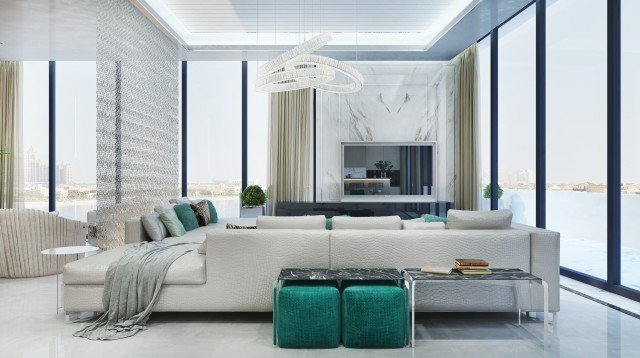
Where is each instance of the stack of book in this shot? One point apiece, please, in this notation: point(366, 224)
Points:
point(472, 267)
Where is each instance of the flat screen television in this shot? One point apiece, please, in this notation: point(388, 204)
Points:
point(383, 171)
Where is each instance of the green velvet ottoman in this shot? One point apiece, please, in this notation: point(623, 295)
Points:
point(373, 314)
point(307, 315)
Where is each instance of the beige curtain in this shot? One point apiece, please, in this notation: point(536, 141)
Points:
point(290, 147)
point(10, 135)
point(466, 131)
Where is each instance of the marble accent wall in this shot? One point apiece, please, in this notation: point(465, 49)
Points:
point(400, 102)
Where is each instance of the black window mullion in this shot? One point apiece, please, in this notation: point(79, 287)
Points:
point(52, 136)
point(613, 140)
point(184, 127)
point(494, 119)
point(541, 111)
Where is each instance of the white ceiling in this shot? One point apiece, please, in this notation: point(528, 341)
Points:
point(48, 29)
point(375, 24)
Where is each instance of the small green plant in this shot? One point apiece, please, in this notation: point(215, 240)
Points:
point(487, 192)
point(3, 152)
point(383, 165)
point(253, 195)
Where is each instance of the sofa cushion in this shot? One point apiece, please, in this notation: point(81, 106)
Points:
point(154, 226)
point(189, 269)
point(433, 218)
point(182, 200)
point(201, 210)
point(421, 225)
point(187, 216)
point(212, 212)
point(172, 223)
point(312, 222)
point(367, 223)
point(162, 208)
point(479, 220)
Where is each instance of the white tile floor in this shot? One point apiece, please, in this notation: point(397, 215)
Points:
point(30, 328)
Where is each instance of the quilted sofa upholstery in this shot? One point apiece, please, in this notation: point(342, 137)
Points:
point(237, 272)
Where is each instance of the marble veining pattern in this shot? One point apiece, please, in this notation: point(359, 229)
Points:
point(495, 275)
point(339, 274)
point(400, 102)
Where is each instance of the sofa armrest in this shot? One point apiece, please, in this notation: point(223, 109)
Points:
point(134, 232)
point(545, 262)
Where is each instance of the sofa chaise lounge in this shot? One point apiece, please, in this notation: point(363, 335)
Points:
point(234, 270)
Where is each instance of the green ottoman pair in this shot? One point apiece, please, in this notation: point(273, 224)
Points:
point(374, 314)
point(313, 314)
point(307, 315)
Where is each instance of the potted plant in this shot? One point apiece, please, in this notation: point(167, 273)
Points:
point(253, 199)
point(486, 194)
point(383, 166)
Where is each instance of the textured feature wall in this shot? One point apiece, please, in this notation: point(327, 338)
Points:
point(400, 102)
point(138, 118)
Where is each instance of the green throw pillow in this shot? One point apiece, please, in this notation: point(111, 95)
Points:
point(173, 224)
point(329, 224)
point(433, 219)
point(186, 216)
point(212, 212)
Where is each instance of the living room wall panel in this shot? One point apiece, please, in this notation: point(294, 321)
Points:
point(137, 118)
point(400, 102)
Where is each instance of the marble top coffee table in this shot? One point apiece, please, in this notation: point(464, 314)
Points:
point(414, 275)
point(304, 274)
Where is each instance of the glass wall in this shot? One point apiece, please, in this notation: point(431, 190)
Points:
point(214, 130)
point(258, 129)
point(517, 116)
point(577, 132)
point(35, 115)
point(630, 144)
point(75, 138)
point(484, 103)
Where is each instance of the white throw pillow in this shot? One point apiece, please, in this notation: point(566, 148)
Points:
point(311, 222)
point(479, 220)
point(162, 208)
point(183, 200)
point(421, 225)
point(367, 223)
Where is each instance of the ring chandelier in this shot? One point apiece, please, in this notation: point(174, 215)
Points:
point(284, 73)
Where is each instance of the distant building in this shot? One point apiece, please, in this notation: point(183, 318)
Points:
point(35, 170)
point(64, 174)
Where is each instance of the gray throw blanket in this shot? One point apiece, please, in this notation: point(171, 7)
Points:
point(131, 289)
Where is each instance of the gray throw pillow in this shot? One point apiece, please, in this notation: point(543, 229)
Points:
point(479, 220)
point(183, 200)
point(154, 226)
point(163, 208)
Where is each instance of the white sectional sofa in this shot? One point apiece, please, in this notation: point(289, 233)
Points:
point(234, 270)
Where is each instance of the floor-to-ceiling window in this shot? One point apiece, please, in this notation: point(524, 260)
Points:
point(577, 132)
point(214, 130)
point(258, 129)
point(484, 104)
point(630, 144)
point(517, 116)
point(35, 129)
point(75, 138)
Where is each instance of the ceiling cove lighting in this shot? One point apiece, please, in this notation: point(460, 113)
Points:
point(241, 25)
point(287, 72)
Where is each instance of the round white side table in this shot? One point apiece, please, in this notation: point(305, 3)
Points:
point(61, 251)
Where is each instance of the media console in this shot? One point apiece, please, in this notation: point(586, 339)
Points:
point(330, 209)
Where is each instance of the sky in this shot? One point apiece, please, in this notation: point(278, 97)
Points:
point(576, 92)
point(576, 103)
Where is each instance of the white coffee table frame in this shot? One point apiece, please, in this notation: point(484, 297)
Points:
point(497, 275)
point(63, 251)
